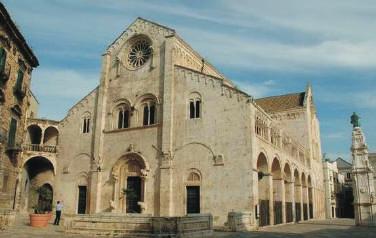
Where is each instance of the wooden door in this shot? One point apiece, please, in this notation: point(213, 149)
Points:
point(82, 195)
point(133, 194)
point(193, 199)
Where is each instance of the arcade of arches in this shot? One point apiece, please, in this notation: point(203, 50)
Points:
point(283, 196)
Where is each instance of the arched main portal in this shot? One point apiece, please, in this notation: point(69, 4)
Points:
point(298, 196)
point(263, 190)
point(37, 184)
point(277, 191)
point(305, 197)
point(310, 197)
point(129, 184)
point(289, 187)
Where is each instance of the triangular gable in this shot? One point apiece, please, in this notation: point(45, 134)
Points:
point(135, 27)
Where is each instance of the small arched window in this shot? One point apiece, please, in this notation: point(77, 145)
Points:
point(86, 123)
point(123, 116)
point(194, 106)
point(149, 113)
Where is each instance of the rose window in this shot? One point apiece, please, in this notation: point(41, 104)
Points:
point(139, 52)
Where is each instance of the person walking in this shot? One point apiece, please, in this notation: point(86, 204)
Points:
point(59, 207)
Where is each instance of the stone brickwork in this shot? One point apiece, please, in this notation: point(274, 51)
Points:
point(111, 224)
point(7, 218)
point(19, 62)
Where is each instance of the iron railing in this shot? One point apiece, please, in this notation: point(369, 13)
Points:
point(40, 148)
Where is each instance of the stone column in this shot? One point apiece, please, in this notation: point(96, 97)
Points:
point(292, 187)
point(364, 190)
point(301, 203)
point(307, 195)
point(271, 200)
point(283, 192)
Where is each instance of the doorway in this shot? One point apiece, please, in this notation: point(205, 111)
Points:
point(193, 199)
point(133, 194)
point(82, 193)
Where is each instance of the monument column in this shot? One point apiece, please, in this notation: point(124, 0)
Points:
point(364, 190)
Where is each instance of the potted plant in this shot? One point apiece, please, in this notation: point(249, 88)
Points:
point(42, 207)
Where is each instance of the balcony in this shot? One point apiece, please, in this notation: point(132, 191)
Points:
point(42, 136)
point(40, 148)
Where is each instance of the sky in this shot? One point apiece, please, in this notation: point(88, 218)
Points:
point(265, 47)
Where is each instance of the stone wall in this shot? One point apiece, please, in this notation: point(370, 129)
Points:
point(111, 224)
point(7, 218)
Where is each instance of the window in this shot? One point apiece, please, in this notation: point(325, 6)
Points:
point(194, 108)
point(139, 52)
point(123, 117)
point(3, 73)
point(5, 183)
point(12, 133)
point(20, 77)
point(3, 57)
point(149, 113)
point(348, 175)
point(86, 125)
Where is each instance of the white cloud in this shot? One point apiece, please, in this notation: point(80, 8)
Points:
point(355, 99)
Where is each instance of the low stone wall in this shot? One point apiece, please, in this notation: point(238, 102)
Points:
point(240, 221)
point(140, 225)
point(7, 218)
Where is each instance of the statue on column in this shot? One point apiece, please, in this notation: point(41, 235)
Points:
point(363, 183)
point(355, 120)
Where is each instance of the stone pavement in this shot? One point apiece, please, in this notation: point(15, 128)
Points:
point(343, 228)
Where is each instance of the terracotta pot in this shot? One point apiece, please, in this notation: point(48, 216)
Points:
point(50, 214)
point(39, 220)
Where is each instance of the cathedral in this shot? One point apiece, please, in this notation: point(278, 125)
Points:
point(166, 134)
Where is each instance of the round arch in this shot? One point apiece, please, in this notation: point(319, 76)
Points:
point(51, 136)
point(263, 189)
point(129, 176)
point(34, 134)
point(45, 161)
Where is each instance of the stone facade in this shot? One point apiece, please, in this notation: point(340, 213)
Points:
point(364, 190)
point(333, 182)
point(346, 197)
point(165, 134)
point(16, 64)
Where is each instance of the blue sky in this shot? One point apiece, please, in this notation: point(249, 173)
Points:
point(266, 47)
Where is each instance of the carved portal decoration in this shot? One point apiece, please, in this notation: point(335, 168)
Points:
point(132, 164)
